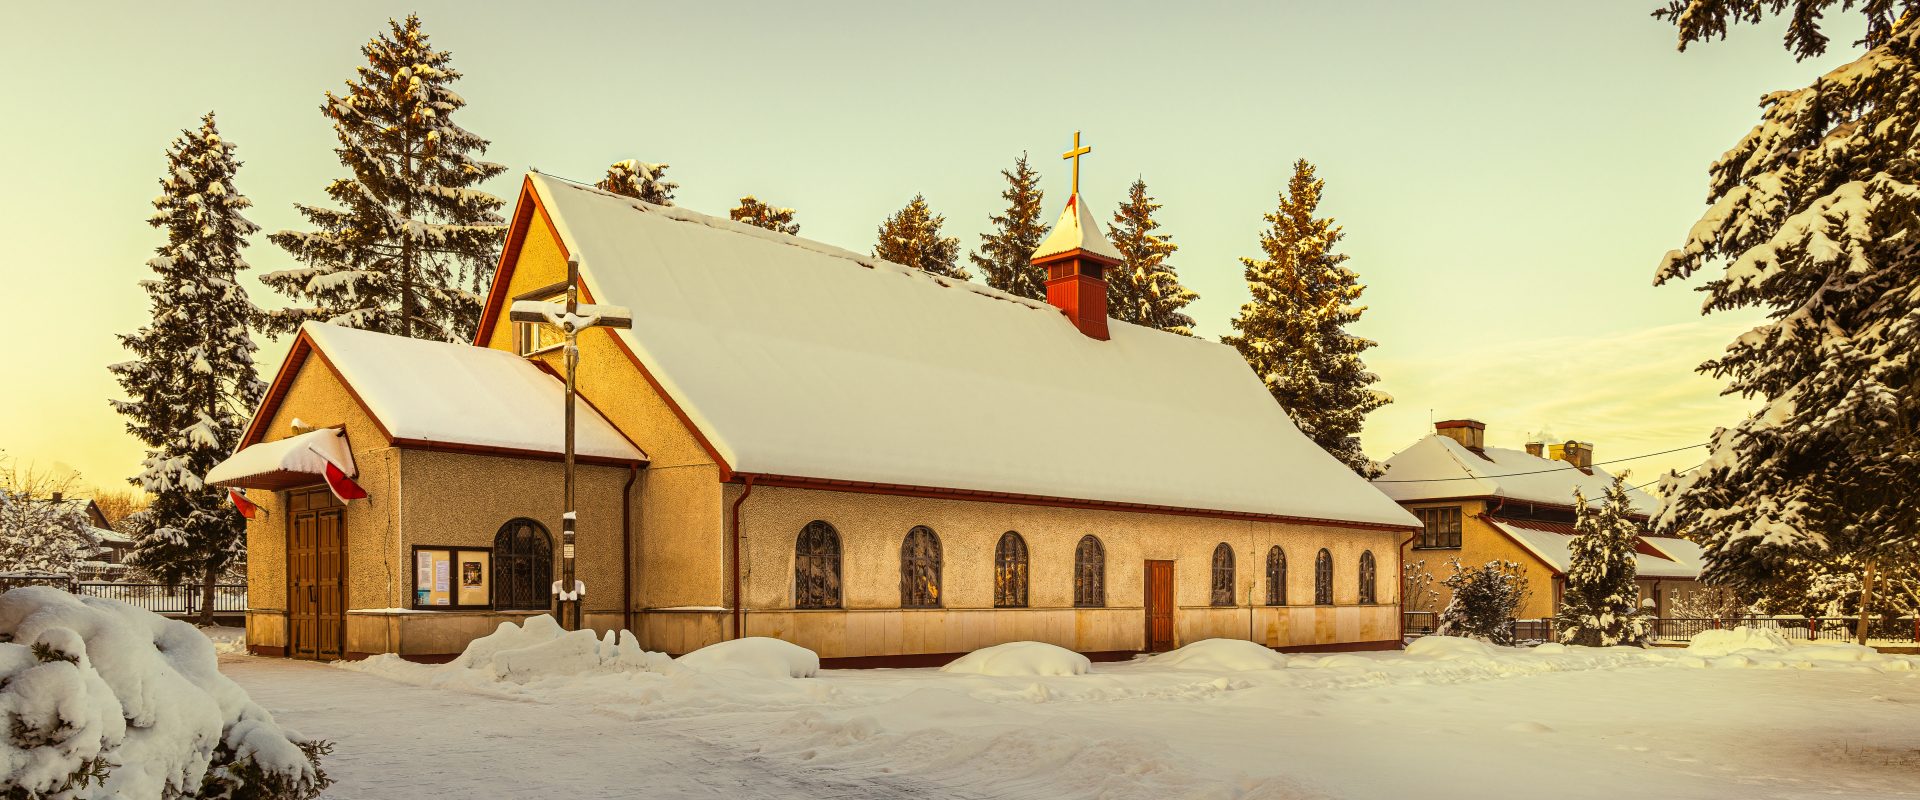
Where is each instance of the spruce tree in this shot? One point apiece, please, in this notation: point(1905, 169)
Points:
point(1483, 601)
point(192, 383)
point(411, 248)
point(1600, 606)
point(1811, 219)
point(1293, 333)
point(1005, 256)
point(760, 215)
point(639, 180)
point(1144, 289)
point(912, 237)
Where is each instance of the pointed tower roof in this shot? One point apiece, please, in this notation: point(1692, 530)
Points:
point(1076, 231)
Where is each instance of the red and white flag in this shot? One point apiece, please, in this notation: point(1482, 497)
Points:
point(343, 487)
point(248, 508)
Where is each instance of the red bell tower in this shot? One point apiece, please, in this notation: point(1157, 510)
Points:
point(1077, 256)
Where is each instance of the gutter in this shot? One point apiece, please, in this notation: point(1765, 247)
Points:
point(626, 549)
point(739, 619)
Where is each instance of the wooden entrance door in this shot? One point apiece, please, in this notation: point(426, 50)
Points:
point(1159, 602)
point(316, 559)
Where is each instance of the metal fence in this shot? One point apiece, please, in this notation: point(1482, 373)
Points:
point(163, 599)
point(1895, 630)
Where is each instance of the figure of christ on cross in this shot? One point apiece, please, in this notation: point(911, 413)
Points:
point(570, 319)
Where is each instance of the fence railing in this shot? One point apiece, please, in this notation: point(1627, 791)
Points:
point(1896, 630)
point(156, 597)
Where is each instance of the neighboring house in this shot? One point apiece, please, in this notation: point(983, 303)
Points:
point(1480, 504)
point(798, 441)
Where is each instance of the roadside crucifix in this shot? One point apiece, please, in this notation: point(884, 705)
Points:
point(571, 319)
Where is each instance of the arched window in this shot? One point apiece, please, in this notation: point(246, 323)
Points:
point(1366, 578)
point(1323, 578)
point(816, 567)
point(1223, 575)
point(522, 566)
point(920, 569)
point(1089, 573)
point(1010, 571)
point(1276, 576)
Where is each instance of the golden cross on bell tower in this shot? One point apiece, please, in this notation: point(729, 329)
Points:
point(1075, 154)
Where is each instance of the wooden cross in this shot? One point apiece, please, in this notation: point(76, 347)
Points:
point(571, 319)
point(1075, 155)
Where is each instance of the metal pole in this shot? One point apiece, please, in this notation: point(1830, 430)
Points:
point(570, 612)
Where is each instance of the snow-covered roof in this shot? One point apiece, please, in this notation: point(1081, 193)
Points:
point(425, 393)
point(1681, 551)
point(1073, 230)
point(1438, 467)
point(303, 454)
point(1552, 545)
point(798, 359)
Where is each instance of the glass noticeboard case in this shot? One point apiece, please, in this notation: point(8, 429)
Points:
point(452, 578)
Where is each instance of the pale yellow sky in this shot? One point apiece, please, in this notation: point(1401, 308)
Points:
point(1508, 173)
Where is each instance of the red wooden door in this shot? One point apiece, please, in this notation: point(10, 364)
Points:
point(1159, 602)
point(316, 560)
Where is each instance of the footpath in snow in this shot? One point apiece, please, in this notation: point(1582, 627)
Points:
point(536, 711)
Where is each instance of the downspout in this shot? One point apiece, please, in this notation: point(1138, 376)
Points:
point(1402, 591)
point(739, 618)
point(626, 549)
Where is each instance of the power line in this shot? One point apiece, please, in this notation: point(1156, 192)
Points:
point(1540, 471)
point(1663, 477)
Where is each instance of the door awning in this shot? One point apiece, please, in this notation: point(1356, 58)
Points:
point(286, 463)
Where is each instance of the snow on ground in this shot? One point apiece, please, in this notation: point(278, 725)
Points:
point(1446, 719)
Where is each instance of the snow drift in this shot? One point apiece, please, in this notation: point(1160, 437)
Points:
point(540, 648)
point(102, 699)
point(1224, 655)
point(1715, 643)
point(1021, 659)
point(755, 655)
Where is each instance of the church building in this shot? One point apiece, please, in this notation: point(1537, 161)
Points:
point(797, 441)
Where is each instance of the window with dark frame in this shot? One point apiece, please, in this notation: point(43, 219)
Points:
point(1323, 578)
point(1089, 573)
point(1010, 571)
point(1440, 528)
point(522, 566)
point(1367, 574)
point(449, 578)
point(1223, 575)
point(920, 569)
point(1276, 576)
point(816, 566)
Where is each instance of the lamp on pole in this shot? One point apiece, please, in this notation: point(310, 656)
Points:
point(571, 319)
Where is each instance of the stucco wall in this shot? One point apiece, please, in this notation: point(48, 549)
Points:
point(871, 527)
point(1480, 543)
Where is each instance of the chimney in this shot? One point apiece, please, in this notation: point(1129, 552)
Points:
point(1579, 454)
point(56, 498)
point(1077, 256)
point(1470, 433)
point(1534, 449)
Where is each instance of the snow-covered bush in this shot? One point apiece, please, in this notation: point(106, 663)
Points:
point(755, 655)
point(540, 648)
point(105, 700)
point(1021, 659)
point(1485, 600)
point(1225, 655)
point(37, 534)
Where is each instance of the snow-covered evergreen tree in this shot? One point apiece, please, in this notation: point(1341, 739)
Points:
point(1005, 256)
point(1294, 333)
point(38, 534)
point(760, 215)
point(912, 237)
point(1144, 289)
point(1485, 600)
point(192, 383)
point(1600, 606)
point(639, 180)
point(1812, 219)
point(412, 246)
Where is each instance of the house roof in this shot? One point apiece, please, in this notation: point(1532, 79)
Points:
point(794, 358)
point(430, 394)
point(1438, 467)
point(1551, 543)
